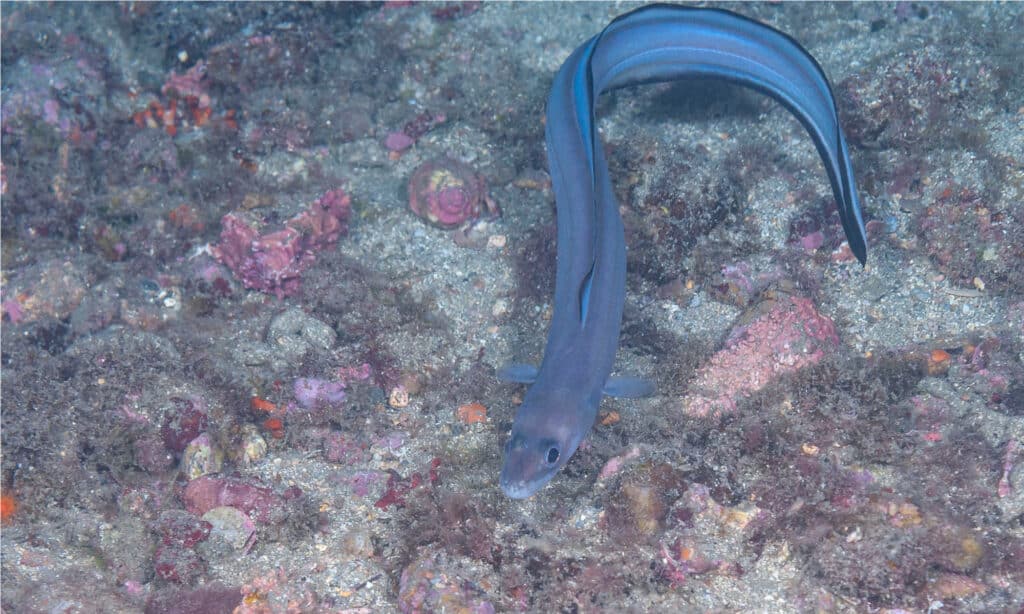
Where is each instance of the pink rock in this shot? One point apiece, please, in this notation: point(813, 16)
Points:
point(208, 598)
point(790, 337)
point(446, 193)
point(207, 492)
point(51, 111)
point(398, 141)
point(433, 583)
point(184, 420)
point(313, 392)
point(362, 481)
point(616, 463)
point(12, 309)
point(812, 241)
point(178, 565)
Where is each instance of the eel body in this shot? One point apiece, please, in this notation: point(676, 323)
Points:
point(651, 44)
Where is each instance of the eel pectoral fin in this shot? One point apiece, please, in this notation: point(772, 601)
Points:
point(628, 387)
point(518, 373)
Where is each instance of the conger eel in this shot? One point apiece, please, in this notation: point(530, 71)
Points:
point(651, 44)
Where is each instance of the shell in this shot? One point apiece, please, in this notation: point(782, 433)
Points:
point(446, 193)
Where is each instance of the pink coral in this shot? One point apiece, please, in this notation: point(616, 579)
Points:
point(790, 337)
point(273, 262)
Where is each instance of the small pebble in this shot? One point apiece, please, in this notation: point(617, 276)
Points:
point(500, 308)
point(201, 457)
point(254, 446)
point(294, 332)
point(472, 413)
point(399, 397)
point(938, 362)
point(231, 525)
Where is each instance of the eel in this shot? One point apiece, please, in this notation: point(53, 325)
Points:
point(654, 43)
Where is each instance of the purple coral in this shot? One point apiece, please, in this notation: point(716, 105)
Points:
point(446, 192)
point(273, 262)
point(312, 392)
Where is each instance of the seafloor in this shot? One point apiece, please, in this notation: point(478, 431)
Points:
point(241, 374)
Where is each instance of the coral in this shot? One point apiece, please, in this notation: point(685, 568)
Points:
point(312, 392)
point(8, 507)
point(188, 104)
point(273, 262)
point(446, 193)
point(789, 337)
point(191, 83)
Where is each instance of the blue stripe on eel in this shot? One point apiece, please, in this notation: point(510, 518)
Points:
point(652, 44)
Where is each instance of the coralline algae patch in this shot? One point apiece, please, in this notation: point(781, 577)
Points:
point(791, 336)
point(274, 261)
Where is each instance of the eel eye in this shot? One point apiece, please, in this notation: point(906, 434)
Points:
point(552, 456)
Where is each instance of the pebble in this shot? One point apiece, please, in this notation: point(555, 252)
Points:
point(201, 457)
point(231, 525)
point(399, 397)
point(254, 446)
point(295, 331)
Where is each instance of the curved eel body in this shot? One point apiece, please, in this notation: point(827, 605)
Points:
point(651, 44)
